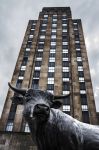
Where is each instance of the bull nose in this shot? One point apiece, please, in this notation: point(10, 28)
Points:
point(41, 107)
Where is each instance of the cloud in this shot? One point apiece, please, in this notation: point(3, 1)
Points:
point(14, 17)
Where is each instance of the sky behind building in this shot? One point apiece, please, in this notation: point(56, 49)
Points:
point(14, 17)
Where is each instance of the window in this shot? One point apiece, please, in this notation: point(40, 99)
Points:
point(64, 30)
point(35, 83)
point(77, 45)
point(80, 68)
point(53, 30)
point(65, 74)
point(52, 55)
point(50, 86)
point(82, 86)
point(30, 36)
point(65, 50)
point(64, 55)
point(38, 63)
point(39, 54)
point(41, 46)
point(64, 46)
point(66, 101)
point(81, 79)
point(65, 64)
point(36, 74)
point(79, 59)
point(65, 43)
point(51, 64)
point(9, 126)
point(64, 38)
point(26, 54)
point(85, 116)
point(66, 92)
point(42, 37)
point(53, 36)
point(23, 67)
point(82, 92)
point(45, 16)
point(79, 63)
point(27, 128)
point(83, 98)
point(50, 74)
point(78, 53)
point(66, 107)
point(50, 80)
point(24, 62)
point(21, 73)
point(80, 73)
point(19, 83)
point(52, 50)
point(66, 86)
point(51, 69)
point(53, 43)
point(65, 69)
point(27, 49)
point(52, 59)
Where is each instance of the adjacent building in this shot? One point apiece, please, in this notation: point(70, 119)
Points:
point(52, 57)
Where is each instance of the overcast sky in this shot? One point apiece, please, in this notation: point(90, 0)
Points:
point(14, 17)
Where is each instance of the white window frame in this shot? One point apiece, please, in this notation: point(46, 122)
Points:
point(52, 59)
point(84, 107)
point(42, 36)
point(23, 67)
point(65, 69)
point(81, 79)
point(51, 69)
point(66, 92)
point(66, 107)
point(65, 79)
point(80, 68)
point(79, 59)
point(82, 91)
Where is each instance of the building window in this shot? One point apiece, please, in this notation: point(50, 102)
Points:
point(64, 46)
point(65, 69)
point(42, 36)
point(27, 128)
point(9, 126)
point(65, 74)
point(50, 80)
point(51, 69)
point(27, 49)
point(85, 116)
point(82, 86)
point(64, 55)
point(50, 74)
point(80, 74)
point(36, 74)
point(19, 83)
point(81, 79)
point(35, 83)
point(51, 64)
point(30, 36)
point(82, 91)
point(83, 98)
point(50, 86)
point(80, 68)
point(39, 54)
point(53, 36)
point(38, 63)
point(65, 64)
point(23, 67)
point(84, 108)
point(78, 53)
point(66, 86)
point(79, 63)
point(79, 59)
point(66, 107)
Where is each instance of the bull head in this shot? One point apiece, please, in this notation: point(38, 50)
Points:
point(55, 104)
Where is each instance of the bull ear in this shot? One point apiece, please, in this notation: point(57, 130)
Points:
point(56, 104)
point(19, 91)
point(61, 96)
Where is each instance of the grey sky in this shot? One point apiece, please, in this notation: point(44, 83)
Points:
point(14, 17)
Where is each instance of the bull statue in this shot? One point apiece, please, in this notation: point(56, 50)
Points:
point(51, 129)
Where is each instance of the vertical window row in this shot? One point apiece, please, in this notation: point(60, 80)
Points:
point(9, 126)
point(65, 67)
point(83, 97)
point(39, 53)
point(51, 70)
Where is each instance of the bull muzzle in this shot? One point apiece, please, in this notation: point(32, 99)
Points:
point(41, 112)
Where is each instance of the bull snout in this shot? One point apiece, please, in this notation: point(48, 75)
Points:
point(41, 112)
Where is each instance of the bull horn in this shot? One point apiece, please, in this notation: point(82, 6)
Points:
point(61, 96)
point(19, 91)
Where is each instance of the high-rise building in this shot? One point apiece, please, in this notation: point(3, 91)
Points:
point(52, 57)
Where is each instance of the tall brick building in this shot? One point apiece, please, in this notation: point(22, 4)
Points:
point(52, 57)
